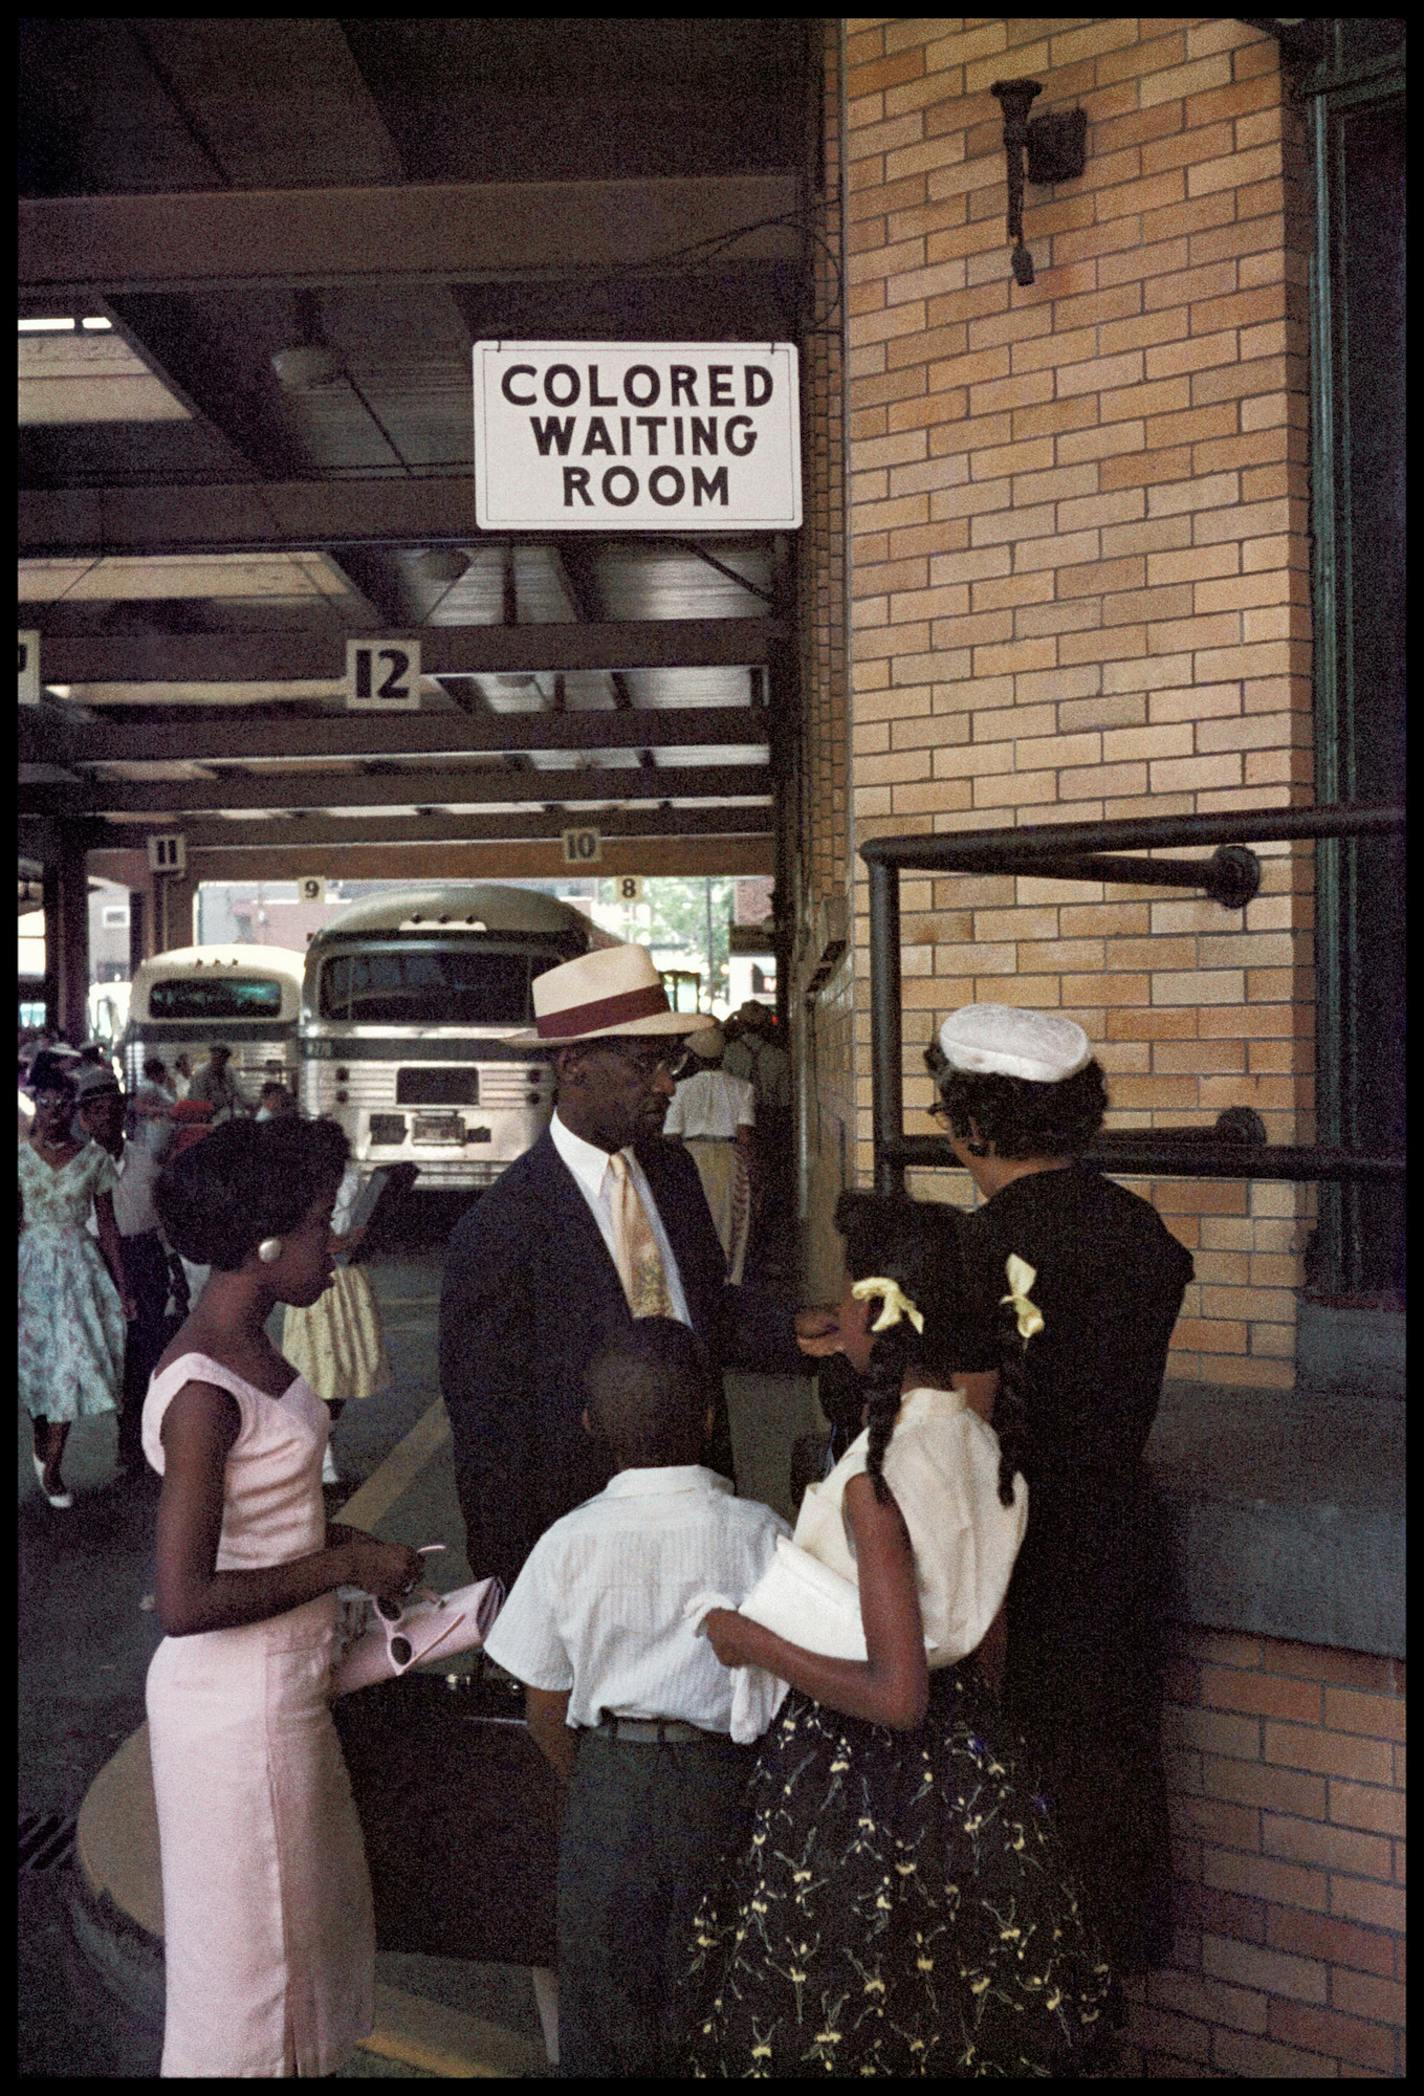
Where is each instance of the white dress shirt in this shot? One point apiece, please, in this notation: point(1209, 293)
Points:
point(590, 1168)
point(711, 1106)
point(599, 1606)
point(136, 1169)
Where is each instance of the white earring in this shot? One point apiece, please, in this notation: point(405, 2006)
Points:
point(269, 1249)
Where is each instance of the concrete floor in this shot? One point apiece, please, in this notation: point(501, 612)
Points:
point(85, 1643)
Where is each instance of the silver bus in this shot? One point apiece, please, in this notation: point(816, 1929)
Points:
point(406, 1006)
point(191, 996)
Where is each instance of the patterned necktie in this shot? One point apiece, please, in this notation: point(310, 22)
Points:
point(635, 1249)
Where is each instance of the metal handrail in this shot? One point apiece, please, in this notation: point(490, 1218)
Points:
point(1078, 851)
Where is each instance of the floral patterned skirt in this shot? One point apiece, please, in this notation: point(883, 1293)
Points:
point(901, 1909)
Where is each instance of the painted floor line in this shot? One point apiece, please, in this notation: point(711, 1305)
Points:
point(375, 1498)
point(447, 2042)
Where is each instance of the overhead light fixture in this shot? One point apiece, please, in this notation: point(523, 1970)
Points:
point(308, 361)
point(441, 564)
point(304, 366)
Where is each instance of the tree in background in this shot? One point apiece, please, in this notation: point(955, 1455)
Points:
point(686, 914)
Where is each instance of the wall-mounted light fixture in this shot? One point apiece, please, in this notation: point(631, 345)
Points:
point(1056, 147)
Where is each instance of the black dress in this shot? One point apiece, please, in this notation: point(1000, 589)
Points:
point(901, 1911)
point(1086, 1603)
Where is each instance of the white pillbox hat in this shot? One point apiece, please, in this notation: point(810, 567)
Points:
point(1001, 1039)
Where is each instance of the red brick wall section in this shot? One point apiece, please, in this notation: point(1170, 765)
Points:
point(1286, 1771)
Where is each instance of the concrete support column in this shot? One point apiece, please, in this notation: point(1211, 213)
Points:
point(131, 870)
point(175, 897)
point(66, 912)
point(140, 928)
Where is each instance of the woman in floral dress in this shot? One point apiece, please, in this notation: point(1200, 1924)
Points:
point(903, 1907)
point(73, 1298)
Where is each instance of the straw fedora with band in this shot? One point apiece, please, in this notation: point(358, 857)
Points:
point(614, 992)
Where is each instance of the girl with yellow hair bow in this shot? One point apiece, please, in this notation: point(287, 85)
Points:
point(863, 1928)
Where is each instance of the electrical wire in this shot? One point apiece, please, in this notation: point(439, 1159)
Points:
point(710, 248)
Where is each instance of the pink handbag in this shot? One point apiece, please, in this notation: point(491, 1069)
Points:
point(386, 1642)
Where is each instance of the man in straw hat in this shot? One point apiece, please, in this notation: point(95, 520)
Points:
point(599, 1223)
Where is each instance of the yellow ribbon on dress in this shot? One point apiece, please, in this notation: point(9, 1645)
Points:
point(1021, 1277)
point(897, 1303)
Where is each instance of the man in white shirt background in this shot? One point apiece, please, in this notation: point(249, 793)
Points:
point(715, 1115)
point(150, 1106)
point(214, 1081)
point(754, 1053)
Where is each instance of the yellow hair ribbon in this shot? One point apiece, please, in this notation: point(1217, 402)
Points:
point(1021, 1277)
point(897, 1303)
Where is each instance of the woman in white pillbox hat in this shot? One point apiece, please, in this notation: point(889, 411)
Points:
point(1022, 1097)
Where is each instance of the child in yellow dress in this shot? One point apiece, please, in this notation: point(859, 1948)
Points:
point(336, 1343)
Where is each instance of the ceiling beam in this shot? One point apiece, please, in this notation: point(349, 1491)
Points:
point(576, 564)
point(427, 232)
point(246, 517)
point(270, 833)
point(274, 516)
point(398, 788)
point(449, 651)
point(236, 735)
point(676, 856)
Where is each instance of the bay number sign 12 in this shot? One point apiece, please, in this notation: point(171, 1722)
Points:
point(383, 676)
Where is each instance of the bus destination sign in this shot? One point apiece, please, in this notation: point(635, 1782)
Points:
point(619, 436)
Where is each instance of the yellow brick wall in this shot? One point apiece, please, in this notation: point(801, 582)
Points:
point(817, 813)
point(1079, 574)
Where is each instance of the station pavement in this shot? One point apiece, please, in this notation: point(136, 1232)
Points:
point(88, 1966)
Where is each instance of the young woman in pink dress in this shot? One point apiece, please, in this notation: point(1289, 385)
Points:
point(268, 1928)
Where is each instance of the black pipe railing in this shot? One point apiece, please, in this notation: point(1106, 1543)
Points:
point(1234, 1148)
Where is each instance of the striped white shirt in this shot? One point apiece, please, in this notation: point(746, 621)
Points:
point(710, 1105)
point(598, 1607)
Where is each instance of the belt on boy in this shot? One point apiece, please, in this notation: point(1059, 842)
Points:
point(654, 1731)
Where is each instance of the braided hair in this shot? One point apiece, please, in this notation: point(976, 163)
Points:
point(920, 1246)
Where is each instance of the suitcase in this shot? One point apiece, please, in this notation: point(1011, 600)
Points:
point(460, 1814)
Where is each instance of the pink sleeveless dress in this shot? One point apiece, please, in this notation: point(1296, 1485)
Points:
point(268, 1927)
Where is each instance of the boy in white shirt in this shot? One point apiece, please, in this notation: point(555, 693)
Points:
point(630, 1707)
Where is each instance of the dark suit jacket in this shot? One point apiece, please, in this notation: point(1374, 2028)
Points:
point(530, 1295)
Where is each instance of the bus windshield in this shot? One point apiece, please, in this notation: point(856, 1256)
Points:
point(430, 986)
point(214, 997)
